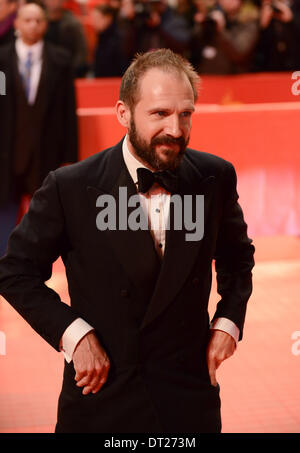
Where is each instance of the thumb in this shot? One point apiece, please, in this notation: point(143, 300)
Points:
point(212, 375)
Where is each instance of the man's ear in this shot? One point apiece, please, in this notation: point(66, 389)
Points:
point(123, 114)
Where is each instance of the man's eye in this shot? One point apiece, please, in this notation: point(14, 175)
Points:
point(161, 113)
point(186, 114)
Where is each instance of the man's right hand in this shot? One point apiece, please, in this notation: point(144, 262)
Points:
point(91, 364)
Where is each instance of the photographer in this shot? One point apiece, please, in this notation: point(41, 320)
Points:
point(157, 25)
point(277, 47)
point(109, 60)
point(224, 36)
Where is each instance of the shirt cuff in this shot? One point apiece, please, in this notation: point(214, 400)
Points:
point(228, 326)
point(72, 335)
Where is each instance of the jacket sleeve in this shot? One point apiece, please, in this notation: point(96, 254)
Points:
point(34, 245)
point(233, 257)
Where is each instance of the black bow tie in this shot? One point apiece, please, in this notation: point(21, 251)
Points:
point(147, 178)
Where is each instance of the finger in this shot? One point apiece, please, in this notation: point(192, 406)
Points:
point(212, 373)
point(212, 376)
point(86, 390)
point(80, 375)
point(218, 363)
point(98, 387)
point(92, 382)
point(86, 380)
point(86, 370)
point(105, 370)
point(99, 381)
point(213, 380)
point(214, 360)
point(94, 388)
point(87, 374)
point(96, 380)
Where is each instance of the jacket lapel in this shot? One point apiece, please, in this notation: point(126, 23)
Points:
point(180, 253)
point(133, 248)
point(49, 76)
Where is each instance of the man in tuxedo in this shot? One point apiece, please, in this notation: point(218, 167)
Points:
point(38, 125)
point(140, 351)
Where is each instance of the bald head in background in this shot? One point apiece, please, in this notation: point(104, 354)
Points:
point(31, 23)
point(38, 122)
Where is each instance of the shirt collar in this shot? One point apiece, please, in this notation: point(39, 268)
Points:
point(131, 162)
point(22, 50)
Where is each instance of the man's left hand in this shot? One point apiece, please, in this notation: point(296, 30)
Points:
point(221, 346)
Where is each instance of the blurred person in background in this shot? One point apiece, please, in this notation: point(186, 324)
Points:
point(278, 47)
point(38, 124)
point(188, 9)
point(108, 58)
point(157, 25)
point(225, 35)
point(126, 17)
point(65, 30)
point(8, 12)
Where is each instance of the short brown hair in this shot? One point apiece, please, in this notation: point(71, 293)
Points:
point(163, 59)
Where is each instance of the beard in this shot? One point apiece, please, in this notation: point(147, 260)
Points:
point(147, 151)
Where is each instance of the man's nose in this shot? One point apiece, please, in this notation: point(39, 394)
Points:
point(173, 127)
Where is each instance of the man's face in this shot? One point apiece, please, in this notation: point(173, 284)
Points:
point(31, 24)
point(100, 21)
point(160, 122)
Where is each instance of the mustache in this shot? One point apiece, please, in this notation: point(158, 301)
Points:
point(165, 140)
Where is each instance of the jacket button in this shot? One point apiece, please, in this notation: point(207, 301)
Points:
point(124, 292)
point(195, 281)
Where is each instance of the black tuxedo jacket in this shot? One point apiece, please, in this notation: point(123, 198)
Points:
point(151, 319)
point(58, 119)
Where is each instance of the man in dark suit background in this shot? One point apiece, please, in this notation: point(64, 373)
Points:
point(38, 124)
point(65, 30)
point(140, 353)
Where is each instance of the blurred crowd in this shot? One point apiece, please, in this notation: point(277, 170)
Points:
point(217, 36)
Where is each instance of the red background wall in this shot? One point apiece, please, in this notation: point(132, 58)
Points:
point(251, 120)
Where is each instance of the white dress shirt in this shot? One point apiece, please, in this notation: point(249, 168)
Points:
point(22, 50)
point(156, 205)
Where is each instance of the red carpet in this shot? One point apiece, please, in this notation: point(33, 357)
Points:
point(259, 385)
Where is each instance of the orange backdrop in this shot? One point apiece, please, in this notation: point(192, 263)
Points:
point(261, 138)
